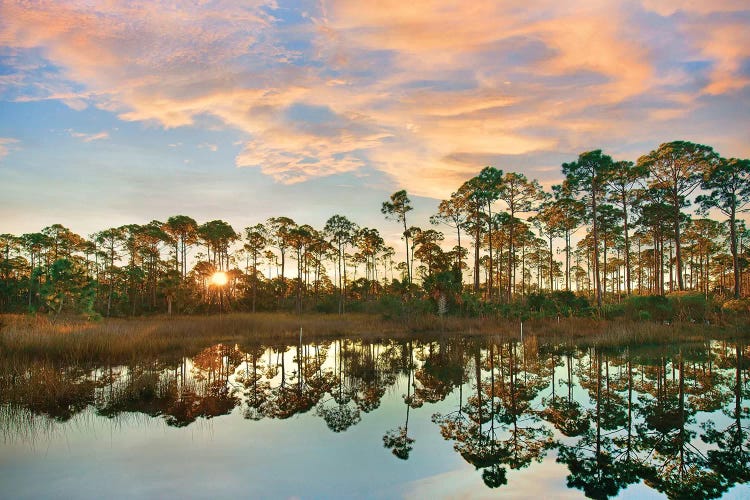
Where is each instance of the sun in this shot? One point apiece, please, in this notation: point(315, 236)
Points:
point(219, 278)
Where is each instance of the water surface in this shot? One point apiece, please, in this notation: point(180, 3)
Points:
point(445, 417)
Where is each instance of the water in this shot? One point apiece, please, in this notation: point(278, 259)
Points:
point(445, 418)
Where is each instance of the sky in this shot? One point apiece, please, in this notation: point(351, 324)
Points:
point(114, 113)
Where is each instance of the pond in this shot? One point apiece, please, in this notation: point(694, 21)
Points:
point(442, 417)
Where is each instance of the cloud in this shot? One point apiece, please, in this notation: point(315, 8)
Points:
point(418, 90)
point(670, 7)
point(293, 156)
point(212, 147)
point(89, 137)
point(717, 34)
point(7, 144)
point(74, 101)
point(728, 46)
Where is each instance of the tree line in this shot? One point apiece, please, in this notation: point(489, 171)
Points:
point(609, 230)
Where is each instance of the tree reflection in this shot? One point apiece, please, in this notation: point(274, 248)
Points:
point(207, 393)
point(528, 440)
point(256, 389)
point(343, 412)
point(731, 459)
point(497, 426)
point(293, 395)
point(597, 463)
point(677, 467)
point(441, 370)
point(398, 440)
point(500, 402)
point(564, 412)
point(368, 375)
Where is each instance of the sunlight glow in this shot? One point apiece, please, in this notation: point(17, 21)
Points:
point(219, 278)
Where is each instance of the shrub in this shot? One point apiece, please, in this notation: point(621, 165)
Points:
point(420, 307)
point(470, 304)
point(327, 306)
point(390, 307)
point(613, 311)
point(737, 311)
point(562, 303)
point(736, 306)
point(689, 306)
point(514, 310)
point(570, 304)
point(654, 307)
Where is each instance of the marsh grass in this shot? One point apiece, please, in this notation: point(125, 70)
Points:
point(19, 424)
point(113, 340)
point(635, 333)
point(74, 340)
point(44, 388)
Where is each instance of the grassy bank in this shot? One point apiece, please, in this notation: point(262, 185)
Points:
point(122, 340)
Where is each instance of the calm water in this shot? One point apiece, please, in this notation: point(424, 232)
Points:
point(445, 418)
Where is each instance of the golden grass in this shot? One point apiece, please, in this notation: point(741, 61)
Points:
point(121, 340)
point(75, 340)
point(623, 332)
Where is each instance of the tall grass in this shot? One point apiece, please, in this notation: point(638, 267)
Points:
point(168, 338)
point(111, 340)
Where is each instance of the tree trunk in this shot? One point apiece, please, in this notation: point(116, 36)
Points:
point(341, 286)
point(733, 248)
point(671, 270)
point(604, 283)
point(511, 258)
point(627, 244)
point(460, 270)
point(595, 234)
point(477, 236)
point(567, 259)
point(406, 240)
point(678, 246)
point(489, 227)
point(499, 271)
point(551, 274)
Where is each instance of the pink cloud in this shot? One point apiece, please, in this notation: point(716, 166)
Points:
point(7, 144)
point(728, 46)
point(89, 137)
point(406, 84)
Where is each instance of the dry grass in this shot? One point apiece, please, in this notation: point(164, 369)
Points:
point(75, 340)
point(122, 340)
point(623, 332)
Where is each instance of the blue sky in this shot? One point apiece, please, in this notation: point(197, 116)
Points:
point(124, 112)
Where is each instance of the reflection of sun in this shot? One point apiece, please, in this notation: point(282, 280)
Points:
point(219, 279)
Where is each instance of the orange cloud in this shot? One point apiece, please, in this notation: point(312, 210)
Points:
point(729, 47)
point(403, 87)
point(718, 33)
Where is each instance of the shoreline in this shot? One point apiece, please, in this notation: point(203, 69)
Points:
point(77, 340)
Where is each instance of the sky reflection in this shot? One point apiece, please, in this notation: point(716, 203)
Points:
point(128, 442)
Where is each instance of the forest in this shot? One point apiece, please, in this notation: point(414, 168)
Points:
point(613, 238)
